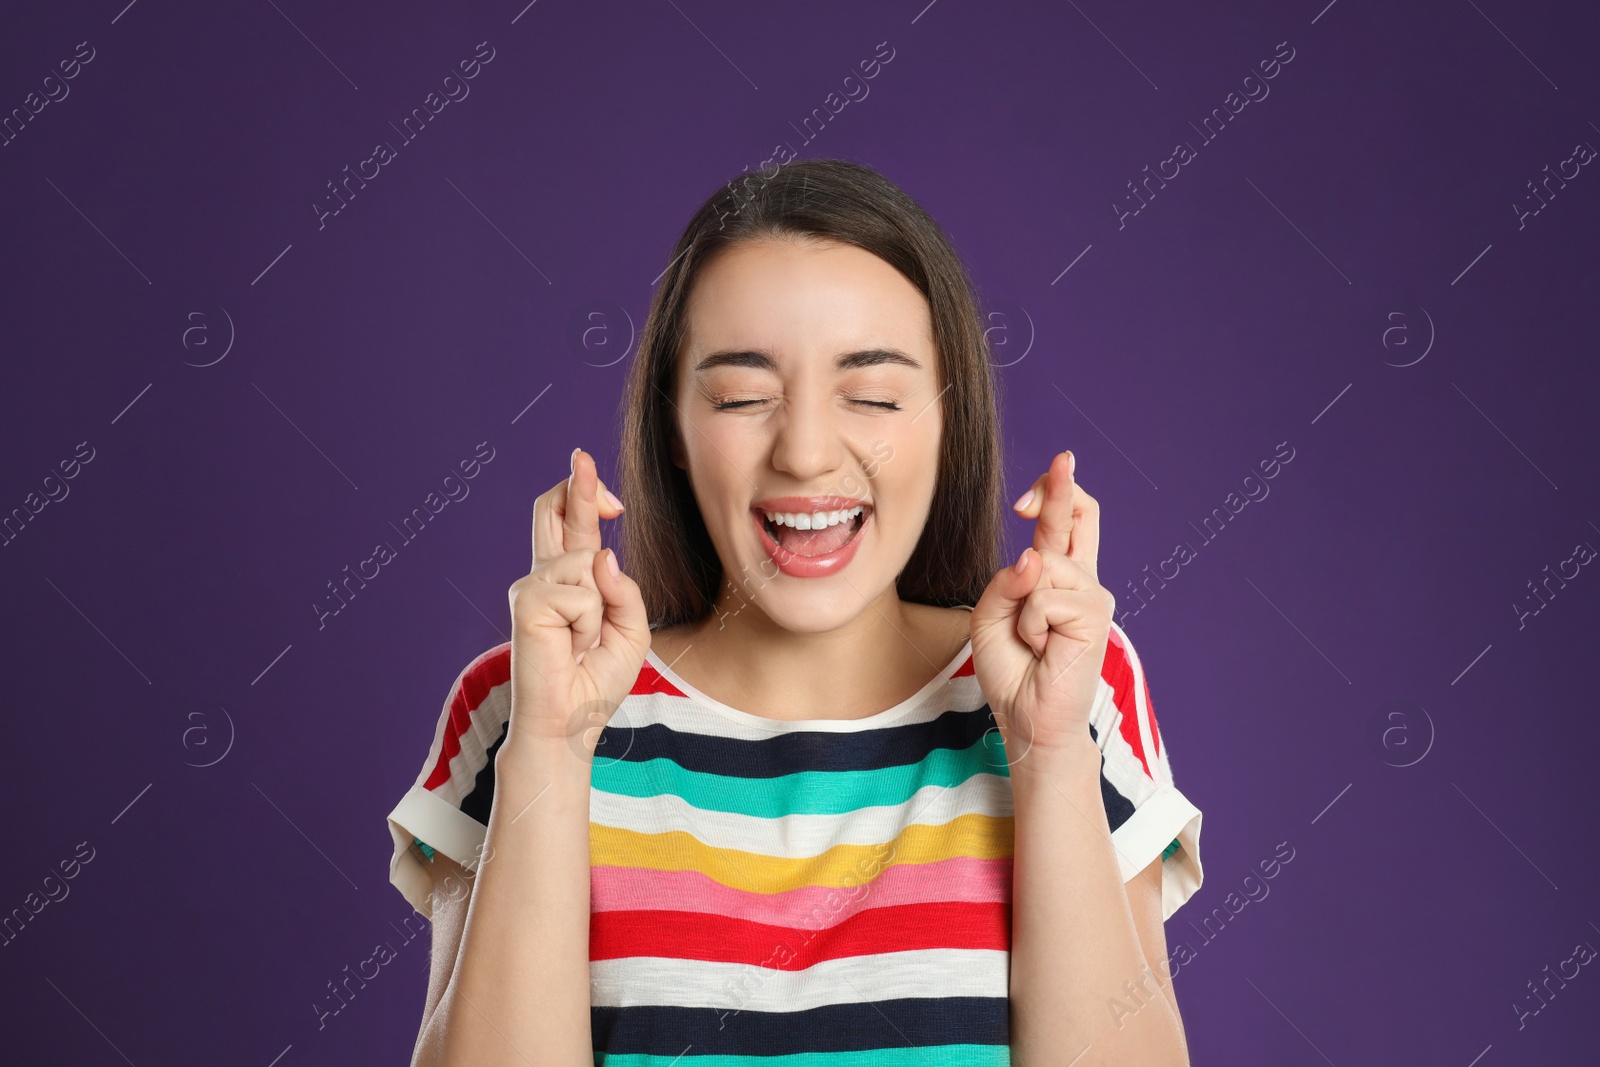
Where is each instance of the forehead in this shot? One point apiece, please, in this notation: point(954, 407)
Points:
point(801, 298)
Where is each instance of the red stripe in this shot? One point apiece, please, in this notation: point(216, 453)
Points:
point(1118, 674)
point(1150, 710)
point(490, 669)
point(1149, 705)
point(650, 680)
point(965, 669)
point(697, 936)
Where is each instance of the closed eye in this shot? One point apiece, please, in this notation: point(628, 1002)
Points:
point(730, 405)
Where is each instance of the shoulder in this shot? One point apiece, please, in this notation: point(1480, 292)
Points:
point(667, 641)
point(945, 630)
point(485, 672)
point(1125, 702)
point(480, 697)
point(475, 711)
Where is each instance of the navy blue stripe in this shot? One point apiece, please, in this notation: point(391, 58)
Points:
point(955, 729)
point(666, 1031)
point(796, 750)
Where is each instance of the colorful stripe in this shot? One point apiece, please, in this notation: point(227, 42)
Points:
point(875, 1027)
point(797, 894)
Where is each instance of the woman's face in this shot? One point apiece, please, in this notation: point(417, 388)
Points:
point(807, 385)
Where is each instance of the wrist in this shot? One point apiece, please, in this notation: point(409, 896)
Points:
point(1074, 763)
point(541, 759)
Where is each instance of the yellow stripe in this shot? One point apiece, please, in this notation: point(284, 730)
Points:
point(973, 835)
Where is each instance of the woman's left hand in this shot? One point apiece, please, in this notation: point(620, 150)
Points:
point(1039, 631)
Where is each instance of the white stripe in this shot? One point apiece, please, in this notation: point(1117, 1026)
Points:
point(1161, 813)
point(1164, 815)
point(1146, 735)
point(444, 827)
point(1122, 768)
point(655, 980)
point(683, 714)
point(435, 815)
point(487, 723)
point(803, 836)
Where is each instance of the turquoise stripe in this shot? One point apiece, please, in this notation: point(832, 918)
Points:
point(805, 792)
point(927, 1056)
point(1170, 849)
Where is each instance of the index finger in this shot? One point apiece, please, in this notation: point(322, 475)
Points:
point(547, 511)
point(550, 514)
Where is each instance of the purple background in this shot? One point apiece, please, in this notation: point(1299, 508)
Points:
point(166, 603)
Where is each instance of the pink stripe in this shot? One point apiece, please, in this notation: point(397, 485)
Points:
point(959, 878)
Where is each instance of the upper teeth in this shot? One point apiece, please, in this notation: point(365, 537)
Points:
point(814, 520)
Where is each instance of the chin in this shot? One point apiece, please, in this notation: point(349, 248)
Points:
point(814, 610)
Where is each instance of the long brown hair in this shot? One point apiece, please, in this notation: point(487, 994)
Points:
point(666, 548)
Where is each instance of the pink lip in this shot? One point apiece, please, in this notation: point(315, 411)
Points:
point(793, 564)
point(795, 504)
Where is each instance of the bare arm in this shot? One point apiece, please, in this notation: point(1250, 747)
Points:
point(1086, 951)
point(1078, 950)
point(510, 977)
point(452, 888)
point(1144, 898)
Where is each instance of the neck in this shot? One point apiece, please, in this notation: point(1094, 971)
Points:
point(884, 654)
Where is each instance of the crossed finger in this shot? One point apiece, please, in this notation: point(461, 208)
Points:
point(567, 516)
point(1068, 517)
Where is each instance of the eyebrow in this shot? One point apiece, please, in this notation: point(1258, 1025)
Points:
point(759, 360)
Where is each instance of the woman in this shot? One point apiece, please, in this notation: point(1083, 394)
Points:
point(817, 774)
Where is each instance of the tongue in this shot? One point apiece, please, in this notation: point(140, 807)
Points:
point(815, 542)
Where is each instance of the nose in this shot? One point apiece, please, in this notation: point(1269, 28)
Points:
point(808, 440)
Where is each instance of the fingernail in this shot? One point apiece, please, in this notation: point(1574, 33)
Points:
point(611, 563)
point(572, 460)
point(1022, 561)
point(611, 498)
point(1072, 463)
point(1024, 500)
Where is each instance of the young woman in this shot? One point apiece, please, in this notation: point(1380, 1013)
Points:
point(817, 775)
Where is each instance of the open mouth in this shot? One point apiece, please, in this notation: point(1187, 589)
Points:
point(821, 533)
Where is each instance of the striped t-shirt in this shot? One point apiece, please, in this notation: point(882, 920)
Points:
point(834, 890)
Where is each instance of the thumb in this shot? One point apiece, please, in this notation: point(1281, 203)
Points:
point(1002, 599)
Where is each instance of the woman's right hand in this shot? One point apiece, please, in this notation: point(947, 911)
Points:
point(579, 627)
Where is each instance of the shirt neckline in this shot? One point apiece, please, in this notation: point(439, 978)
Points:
point(868, 722)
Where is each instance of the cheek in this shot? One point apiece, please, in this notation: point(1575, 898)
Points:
point(904, 466)
point(718, 468)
